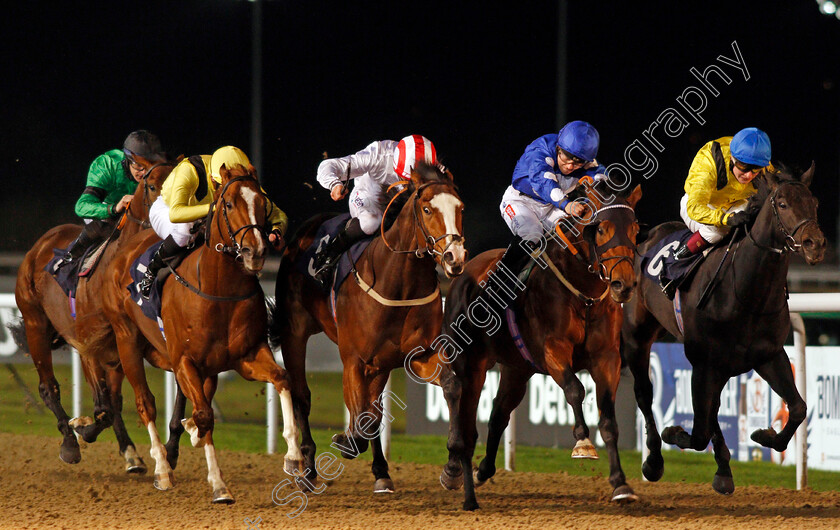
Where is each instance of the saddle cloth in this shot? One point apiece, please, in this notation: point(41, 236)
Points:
point(325, 233)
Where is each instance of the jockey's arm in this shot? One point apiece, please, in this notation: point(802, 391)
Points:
point(334, 171)
point(544, 182)
point(90, 204)
point(184, 185)
point(701, 181)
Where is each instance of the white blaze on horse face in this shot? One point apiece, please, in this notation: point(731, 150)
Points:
point(250, 197)
point(449, 206)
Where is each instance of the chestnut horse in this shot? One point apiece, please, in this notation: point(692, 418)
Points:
point(566, 323)
point(377, 326)
point(49, 323)
point(741, 326)
point(214, 319)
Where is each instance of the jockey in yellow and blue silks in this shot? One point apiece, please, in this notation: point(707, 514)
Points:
point(111, 181)
point(181, 204)
point(550, 168)
point(718, 185)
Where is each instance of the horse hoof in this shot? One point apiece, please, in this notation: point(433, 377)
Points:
point(652, 473)
point(624, 495)
point(471, 505)
point(306, 485)
point(669, 434)
point(339, 441)
point(585, 449)
point(292, 467)
point(223, 496)
point(451, 482)
point(478, 482)
point(723, 485)
point(136, 467)
point(164, 482)
point(81, 426)
point(764, 437)
point(70, 454)
point(383, 485)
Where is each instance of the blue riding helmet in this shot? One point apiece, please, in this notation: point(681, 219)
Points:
point(751, 146)
point(580, 139)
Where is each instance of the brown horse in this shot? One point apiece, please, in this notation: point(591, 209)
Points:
point(566, 323)
point(214, 318)
point(376, 326)
point(48, 324)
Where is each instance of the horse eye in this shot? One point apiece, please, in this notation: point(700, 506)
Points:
point(782, 205)
point(151, 187)
point(426, 210)
point(228, 205)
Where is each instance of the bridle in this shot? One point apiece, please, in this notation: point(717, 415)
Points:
point(790, 243)
point(147, 202)
point(235, 249)
point(598, 264)
point(431, 242)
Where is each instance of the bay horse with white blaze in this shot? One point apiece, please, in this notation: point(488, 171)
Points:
point(389, 309)
point(49, 323)
point(214, 319)
point(740, 326)
point(568, 317)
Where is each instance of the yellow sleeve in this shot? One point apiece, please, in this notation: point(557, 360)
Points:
point(277, 217)
point(182, 190)
point(701, 181)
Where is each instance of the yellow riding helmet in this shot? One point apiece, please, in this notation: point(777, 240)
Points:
point(228, 156)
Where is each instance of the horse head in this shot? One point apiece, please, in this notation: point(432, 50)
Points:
point(611, 230)
point(438, 217)
point(241, 217)
point(149, 189)
point(787, 207)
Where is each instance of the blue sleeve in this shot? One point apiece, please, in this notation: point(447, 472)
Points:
point(543, 179)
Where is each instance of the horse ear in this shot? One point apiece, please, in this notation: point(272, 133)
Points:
point(770, 178)
point(808, 175)
point(224, 173)
point(417, 178)
point(179, 158)
point(635, 196)
point(253, 171)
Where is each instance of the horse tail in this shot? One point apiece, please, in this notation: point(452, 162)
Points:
point(18, 333)
point(273, 324)
point(102, 341)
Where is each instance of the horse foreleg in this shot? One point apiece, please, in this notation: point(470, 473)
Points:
point(379, 467)
point(176, 427)
point(264, 368)
point(103, 416)
point(294, 358)
point(637, 335)
point(512, 387)
point(558, 363)
point(606, 372)
point(468, 408)
point(706, 386)
point(452, 476)
point(133, 462)
point(132, 363)
point(778, 374)
point(354, 383)
point(221, 493)
point(722, 482)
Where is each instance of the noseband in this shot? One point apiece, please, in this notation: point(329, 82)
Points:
point(597, 263)
point(790, 243)
point(235, 249)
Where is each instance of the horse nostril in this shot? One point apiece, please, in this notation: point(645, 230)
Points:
point(246, 250)
point(449, 258)
point(616, 285)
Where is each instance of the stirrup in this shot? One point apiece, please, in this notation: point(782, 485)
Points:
point(145, 286)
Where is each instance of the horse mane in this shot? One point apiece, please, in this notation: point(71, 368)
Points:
point(781, 173)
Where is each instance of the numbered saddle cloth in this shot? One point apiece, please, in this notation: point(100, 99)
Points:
point(326, 232)
point(659, 264)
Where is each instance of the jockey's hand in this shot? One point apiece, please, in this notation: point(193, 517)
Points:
point(737, 219)
point(575, 208)
point(276, 239)
point(338, 192)
point(123, 204)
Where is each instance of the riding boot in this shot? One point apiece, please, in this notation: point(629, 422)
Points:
point(165, 253)
point(515, 257)
point(78, 247)
point(695, 244)
point(327, 257)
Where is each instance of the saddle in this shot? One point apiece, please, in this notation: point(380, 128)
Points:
point(346, 263)
point(67, 274)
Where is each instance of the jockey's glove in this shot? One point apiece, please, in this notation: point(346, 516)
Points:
point(737, 219)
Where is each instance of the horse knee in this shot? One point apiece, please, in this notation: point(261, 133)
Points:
point(204, 421)
point(797, 411)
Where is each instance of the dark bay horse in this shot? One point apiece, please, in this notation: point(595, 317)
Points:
point(214, 319)
point(741, 326)
point(569, 318)
point(375, 328)
point(49, 323)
